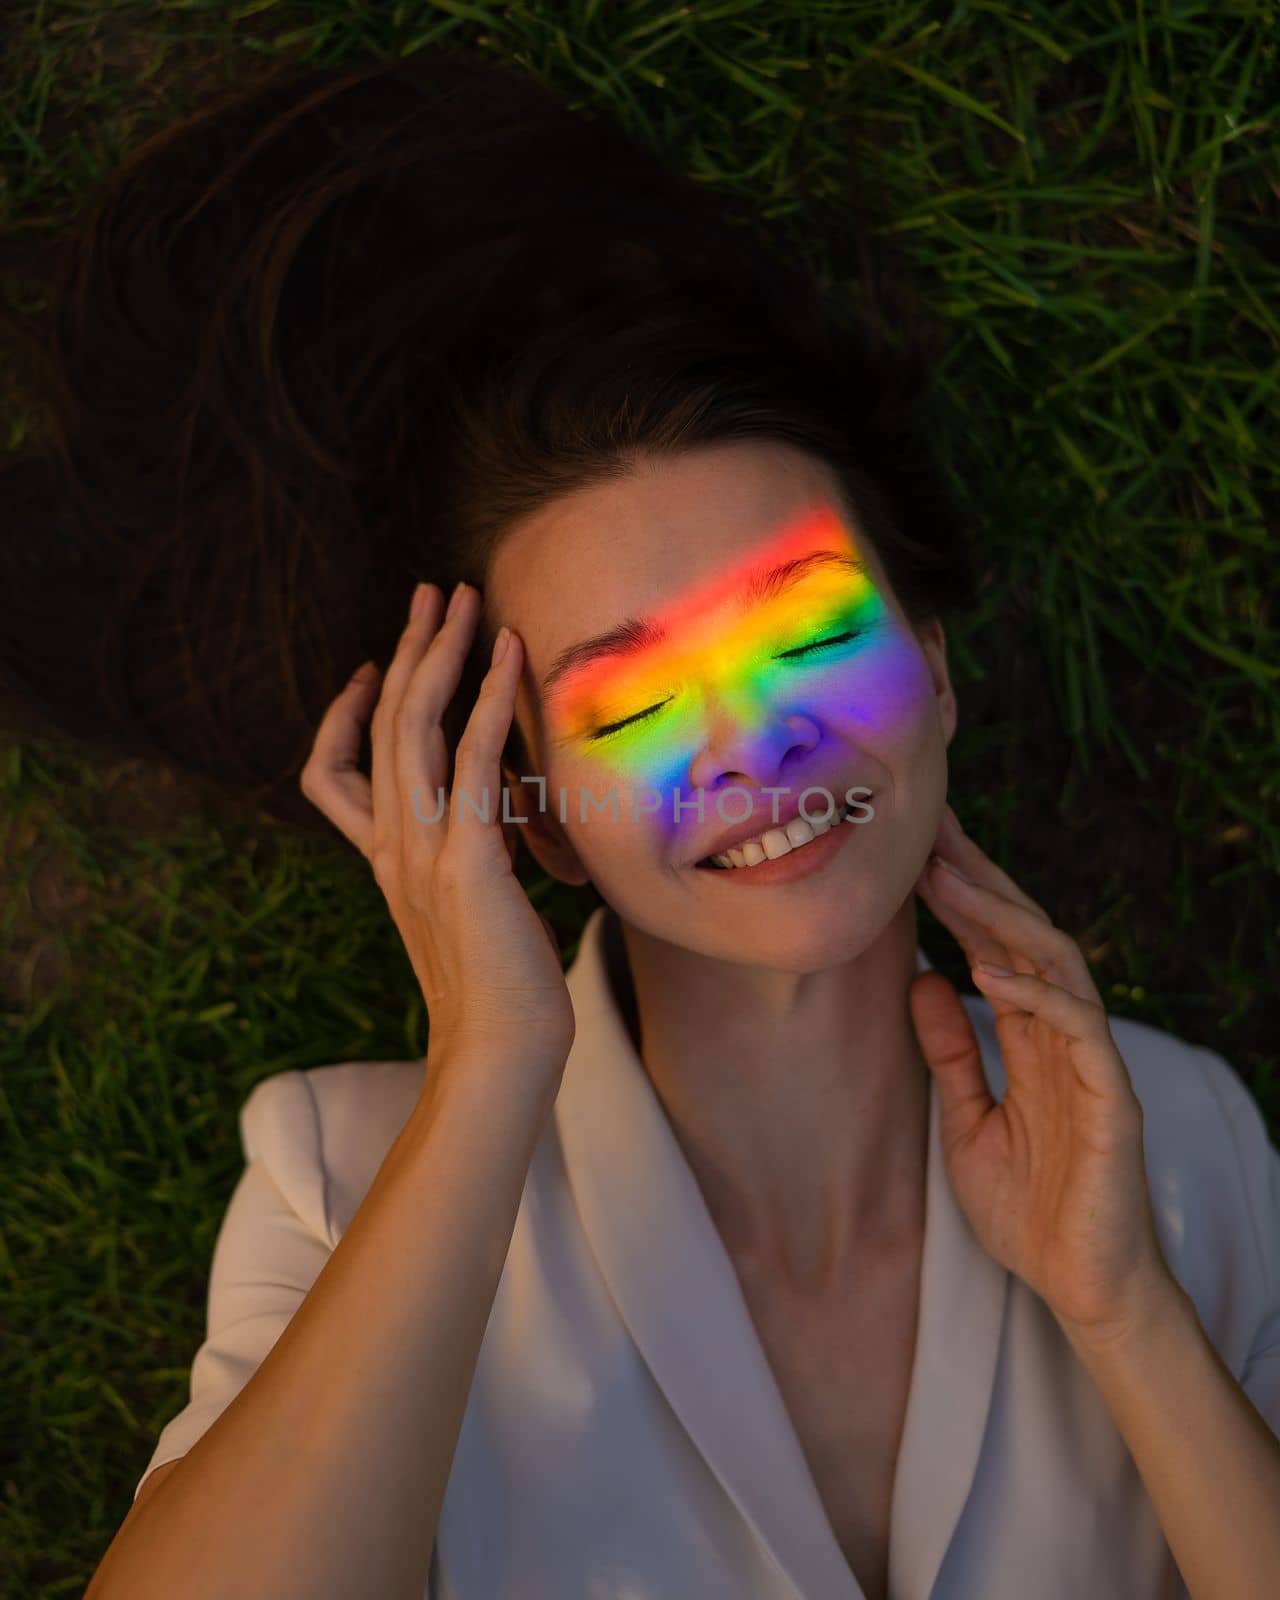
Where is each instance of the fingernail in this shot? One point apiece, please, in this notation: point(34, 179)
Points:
point(366, 673)
point(500, 644)
point(992, 969)
point(951, 867)
point(455, 597)
point(419, 600)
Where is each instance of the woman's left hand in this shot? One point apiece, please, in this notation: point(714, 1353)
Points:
point(1051, 1177)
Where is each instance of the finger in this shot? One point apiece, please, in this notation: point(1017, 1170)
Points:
point(950, 1048)
point(415, 638)
point(976, 941)
point(421, 753)
point(331, 778)
point(477, 763)
point(511, 838)
point(977, 915)
point(1083, 1023)
point(551, 934)
point(437, 670)
point(956, 845)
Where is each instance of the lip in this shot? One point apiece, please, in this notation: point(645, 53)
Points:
point(798, 863)
point(788, 808)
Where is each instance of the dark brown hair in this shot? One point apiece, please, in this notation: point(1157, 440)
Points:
point(331, 334)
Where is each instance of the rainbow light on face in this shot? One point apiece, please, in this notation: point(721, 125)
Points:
point(753, 656)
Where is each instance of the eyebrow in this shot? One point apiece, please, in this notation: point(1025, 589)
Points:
point(642, 633)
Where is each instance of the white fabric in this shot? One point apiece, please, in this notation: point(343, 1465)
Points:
point(624, 1437)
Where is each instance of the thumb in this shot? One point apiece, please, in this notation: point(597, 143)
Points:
point(950, 1048)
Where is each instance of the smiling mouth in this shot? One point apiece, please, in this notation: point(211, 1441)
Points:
point(779, 844)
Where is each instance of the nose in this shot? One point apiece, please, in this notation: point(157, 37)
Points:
point(751, 754)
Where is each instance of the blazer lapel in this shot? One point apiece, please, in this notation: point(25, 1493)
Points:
point(675, 1288)
point(963, 1291)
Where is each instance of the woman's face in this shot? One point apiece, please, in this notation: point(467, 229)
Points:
point(669, 666)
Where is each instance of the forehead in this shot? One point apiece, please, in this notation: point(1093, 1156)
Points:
point(667, 541)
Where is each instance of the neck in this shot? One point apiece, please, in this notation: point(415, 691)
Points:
point(800, 1100)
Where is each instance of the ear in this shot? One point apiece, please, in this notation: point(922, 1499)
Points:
point(541, 831)
point(933, 642)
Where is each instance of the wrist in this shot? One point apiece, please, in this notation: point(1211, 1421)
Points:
point(495, 1066)
point(1160, 1308)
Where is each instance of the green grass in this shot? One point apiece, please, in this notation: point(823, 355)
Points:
point(1089, 194)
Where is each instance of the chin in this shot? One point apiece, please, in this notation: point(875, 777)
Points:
point(810, 934)
point(804, 949)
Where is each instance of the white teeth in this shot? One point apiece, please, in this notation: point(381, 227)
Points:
point(775, 842)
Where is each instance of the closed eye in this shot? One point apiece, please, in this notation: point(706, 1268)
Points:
point(820, 644)
point(797, 653)
point(613, 727)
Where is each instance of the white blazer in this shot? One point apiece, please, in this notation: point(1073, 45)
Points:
point(624, 1437)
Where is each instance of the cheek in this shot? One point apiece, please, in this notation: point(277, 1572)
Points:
point(604, 815)
point(884, 696)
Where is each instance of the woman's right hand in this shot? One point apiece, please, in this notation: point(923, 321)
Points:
point(487, 961)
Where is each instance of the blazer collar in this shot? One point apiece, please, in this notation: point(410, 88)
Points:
point(678, 1294)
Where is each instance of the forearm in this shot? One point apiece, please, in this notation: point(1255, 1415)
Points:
point(325, 1475)
point(1210, 1463)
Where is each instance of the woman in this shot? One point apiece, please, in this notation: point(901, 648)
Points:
point(747, 1258)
